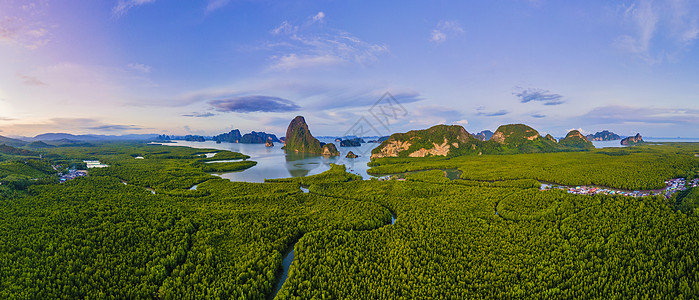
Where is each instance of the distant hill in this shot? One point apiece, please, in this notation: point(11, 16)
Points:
point(9, 150)
point(299, 139)
point(454, 140)
point(194, 138)
point(604, 135)
point(258, 138)
point(575, 139)
point(520, 138)
point(253, 137)
point(39, 145)
point(484, 135)
point(233, 136)
point(12, 142)
point(92, 137)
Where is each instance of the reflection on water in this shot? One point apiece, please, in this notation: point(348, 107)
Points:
point(273, 162)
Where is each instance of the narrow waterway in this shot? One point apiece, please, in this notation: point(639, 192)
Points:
point(289, 258)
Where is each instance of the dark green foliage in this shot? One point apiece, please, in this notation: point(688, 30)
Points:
point(226, 155)
point(98, 238)
point(642, 168)
point(452, 242)
point(12, 142)
point(687, 201)
point(226, 166)
point(336, 174)
point(38, 145)
point(9, 150)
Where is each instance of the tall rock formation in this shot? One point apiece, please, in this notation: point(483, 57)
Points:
point(231, 137)
point(299, 139)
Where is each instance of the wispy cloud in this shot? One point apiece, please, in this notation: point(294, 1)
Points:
point(30, 80)
point(246, 104)
point(429, 115)
point(659, 29)
point(114, 127)
point(24, 25)
point(445, 29)
point(199, 115)
point(303, 46)
point(216, 4)
point(123, 6)
point(318, 18)
point(538, 116)
point(71, 125)
point(294, 61)
point(481, 111)
point(538, 95)
point(139, 67)
point(628, 114)
point(6, 118)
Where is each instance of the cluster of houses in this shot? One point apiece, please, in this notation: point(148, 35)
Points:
point(672, 186)
point(73, 173)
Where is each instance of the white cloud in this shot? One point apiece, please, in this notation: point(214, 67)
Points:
point(463, 122)
point(583, 131)
point(24, 25)
point(319, 17)
point(293, 61)
point(302, 47)
point(139, 67)
point(216, 4)
point(285, 28)
point(445, 28)
point(123, 6)
point(438, 36)
point(659, 29)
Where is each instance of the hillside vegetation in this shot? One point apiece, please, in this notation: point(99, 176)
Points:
point(454, 140)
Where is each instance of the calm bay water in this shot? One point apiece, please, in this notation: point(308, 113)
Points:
point(273, 162)
point(617, 143)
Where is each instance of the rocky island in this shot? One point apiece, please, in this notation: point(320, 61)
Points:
point(454, 140)
point(299, 139)
point(253, 137)
point(604, 135)
point(632, 140)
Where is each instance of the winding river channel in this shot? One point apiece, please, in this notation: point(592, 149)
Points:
point(289, 256)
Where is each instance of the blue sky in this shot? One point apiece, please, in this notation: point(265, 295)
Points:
point(206, 67)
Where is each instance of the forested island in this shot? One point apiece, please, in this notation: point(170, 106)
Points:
point(162, 226)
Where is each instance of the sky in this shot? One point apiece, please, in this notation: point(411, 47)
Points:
point(369, 67)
